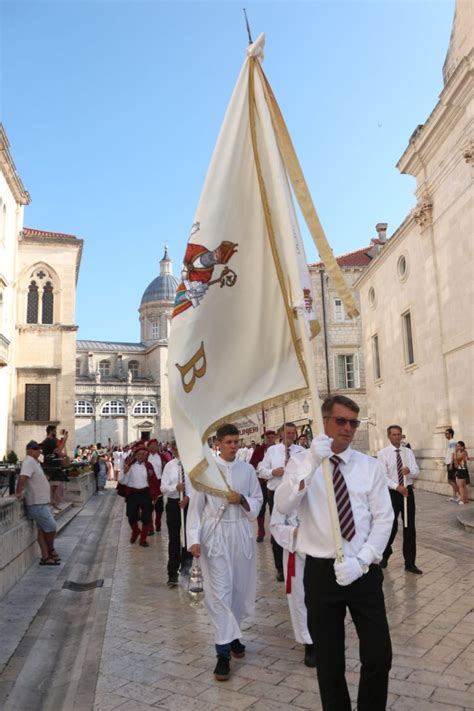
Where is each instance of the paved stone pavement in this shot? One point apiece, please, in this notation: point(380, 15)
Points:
point(158, 651)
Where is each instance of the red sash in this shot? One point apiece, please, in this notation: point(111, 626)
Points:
point(291, 571)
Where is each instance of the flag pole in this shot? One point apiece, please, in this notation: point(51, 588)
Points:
point(319, 426)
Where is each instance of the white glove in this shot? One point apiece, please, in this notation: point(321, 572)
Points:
point(321, 449)
point(348, 571)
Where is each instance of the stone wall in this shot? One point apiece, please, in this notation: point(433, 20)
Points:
point(18, 547)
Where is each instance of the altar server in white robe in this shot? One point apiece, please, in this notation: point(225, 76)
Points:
point(284, 529)
point(219, 531)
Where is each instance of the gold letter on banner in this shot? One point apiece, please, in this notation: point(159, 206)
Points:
point(197, 370)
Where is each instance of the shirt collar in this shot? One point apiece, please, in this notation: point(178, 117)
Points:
point(345, 455)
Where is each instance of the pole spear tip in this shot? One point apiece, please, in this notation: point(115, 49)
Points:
point(248, 26)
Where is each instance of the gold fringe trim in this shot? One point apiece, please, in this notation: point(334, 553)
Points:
point(303, 196)
point(268, 218)
point(266, 404)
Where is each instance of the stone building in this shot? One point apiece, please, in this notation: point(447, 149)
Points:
point(417, 295)
point(121, 388)
point(338, 348)
point(38, 275)
point(13, 198)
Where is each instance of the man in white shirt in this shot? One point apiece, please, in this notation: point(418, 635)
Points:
point(397, 463)
point(33, 486)
point(450, 468)
point(366, 518)
point(142, 488)
point(175, 485)
point(219, 532)
point(154, 458)
point(272, 468)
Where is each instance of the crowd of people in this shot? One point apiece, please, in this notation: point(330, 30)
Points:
point(323, 579)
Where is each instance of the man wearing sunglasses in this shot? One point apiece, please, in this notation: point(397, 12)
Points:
point(366, 516)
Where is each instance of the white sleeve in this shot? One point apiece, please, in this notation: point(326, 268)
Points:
point(26, 468)
point(288, 496)
point(193, 519)
point(254, 496)
point(382, 458)
point(167, 479)
point(380, 507)
point(281, 531)
point(264, 469)
point(412, 465)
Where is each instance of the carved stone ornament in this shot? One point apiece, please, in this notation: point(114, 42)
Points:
point(129, 400)
point(96, 399)
point(423, 212)
point(468, 153)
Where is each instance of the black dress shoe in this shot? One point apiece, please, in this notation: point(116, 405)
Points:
point(237, 649)
point(309, 655)
point(259, 539)
point(172, 581)
point(413, 569)
point(222, 670)
point(280, 577)
point(383, 563)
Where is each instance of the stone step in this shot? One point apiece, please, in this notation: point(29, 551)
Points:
point(466, 518)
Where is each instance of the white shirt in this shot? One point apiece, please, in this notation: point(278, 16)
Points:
point(172, 476)
point(450, 449)
point(370, 502)
point(137, 476)
point(156, 463)
point(274, 458)
point(388, 459)
point(37, 490)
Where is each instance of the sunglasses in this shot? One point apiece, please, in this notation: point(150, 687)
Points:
point(342, 421)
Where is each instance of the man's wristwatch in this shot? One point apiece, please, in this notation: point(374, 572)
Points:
point(363, 565)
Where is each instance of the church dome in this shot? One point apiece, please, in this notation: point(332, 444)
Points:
point(163, 288)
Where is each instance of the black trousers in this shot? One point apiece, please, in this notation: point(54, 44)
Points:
point(139, 506)
point(177, 556)
point(326, 602)
point(409, 533)
point(263, 486)
point(277, 549)
point(159, 508)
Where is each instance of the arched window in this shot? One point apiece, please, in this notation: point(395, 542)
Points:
point(134, 368)
point(145, 407)
point(32, 304)
point(83, 407)
point(104, 368)
point(113, 407)
point(48, 303)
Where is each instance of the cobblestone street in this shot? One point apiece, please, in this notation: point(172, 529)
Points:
point(158, 651)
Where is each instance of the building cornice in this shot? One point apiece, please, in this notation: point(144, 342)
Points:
point(44, 328)
point(32, 236)
point(452, 103)
point(8, 168)
point(37, 370)
point(388, 248)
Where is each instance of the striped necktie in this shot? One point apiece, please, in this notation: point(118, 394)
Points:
point(343, 502)
point(399, 467)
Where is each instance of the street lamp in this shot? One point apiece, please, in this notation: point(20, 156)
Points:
point(307, 428)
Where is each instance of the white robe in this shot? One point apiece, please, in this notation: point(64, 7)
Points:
point(282, 528)
point(227, 549)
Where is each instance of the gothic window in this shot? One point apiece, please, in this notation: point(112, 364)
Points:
point(145, 407)
point(37, 402)
point(134, 368)
point(32, 304)
point(113, 407)
point(104, 368)
point(48, 302)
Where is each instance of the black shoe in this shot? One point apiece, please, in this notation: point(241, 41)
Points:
point(237, 649)
point(280, 577)
point(309, 655)
point(259, 539)
point(383, 563)
point(413, 569)
point(150, 532)
point(172, 581)
point(222, 670)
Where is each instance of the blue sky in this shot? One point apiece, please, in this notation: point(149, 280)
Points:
point(112, 110)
